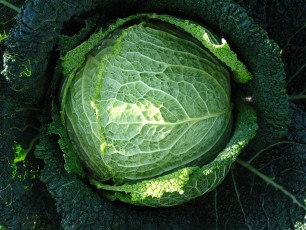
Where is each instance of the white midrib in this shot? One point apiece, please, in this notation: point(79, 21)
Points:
point(189, 120)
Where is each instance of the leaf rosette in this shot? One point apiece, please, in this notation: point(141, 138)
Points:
point(27, 75)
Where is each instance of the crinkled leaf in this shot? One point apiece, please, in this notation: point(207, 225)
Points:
point(187, 183)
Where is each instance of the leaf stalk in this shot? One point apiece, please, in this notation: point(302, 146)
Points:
point(10, 5)
point(270, 181)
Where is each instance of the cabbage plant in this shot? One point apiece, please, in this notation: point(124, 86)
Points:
point(148, 109)
point(63, 123)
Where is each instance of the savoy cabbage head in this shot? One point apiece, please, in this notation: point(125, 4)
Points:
point(146, 102)
point(150, 105)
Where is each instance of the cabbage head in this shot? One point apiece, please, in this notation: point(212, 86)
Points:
point(147, 107)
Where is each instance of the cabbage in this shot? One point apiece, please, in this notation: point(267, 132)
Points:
point(150, 103)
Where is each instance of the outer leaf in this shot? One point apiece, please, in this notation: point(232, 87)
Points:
point(30, 43)
point(24, 200)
